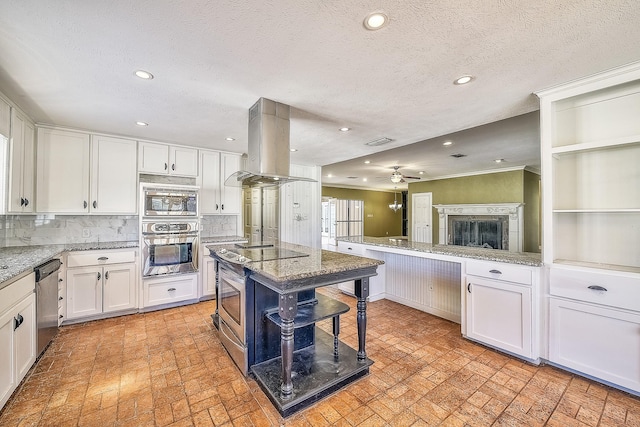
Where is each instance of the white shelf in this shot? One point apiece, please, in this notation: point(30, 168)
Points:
point(630, 210)
point(597, 266)
point(595, 145)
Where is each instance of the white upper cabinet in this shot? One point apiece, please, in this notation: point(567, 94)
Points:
point(79, 174)
point(215, 197)
point(164, 159)
point(5, 118)
point(113, 175)
point(63, 171)
point(21, 161)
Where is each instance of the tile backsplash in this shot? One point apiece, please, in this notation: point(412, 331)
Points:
point(26, 230)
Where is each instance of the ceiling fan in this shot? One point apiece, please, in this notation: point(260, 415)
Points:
point(397, 177)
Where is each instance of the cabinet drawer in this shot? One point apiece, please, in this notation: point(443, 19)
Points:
point(351, 248)
point(85, 258)
point(16, 291)
point(500, 271)
point(166, 291)
point(612, 289)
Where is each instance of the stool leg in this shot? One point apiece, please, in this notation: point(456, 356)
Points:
point(336, 332)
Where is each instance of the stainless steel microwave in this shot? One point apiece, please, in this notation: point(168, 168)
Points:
point(168, 202)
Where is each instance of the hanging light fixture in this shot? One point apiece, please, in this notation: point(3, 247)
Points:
point(395, 206)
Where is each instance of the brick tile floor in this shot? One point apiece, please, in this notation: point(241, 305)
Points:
point(168, 368)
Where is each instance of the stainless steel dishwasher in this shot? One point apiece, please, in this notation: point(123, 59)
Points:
point(46, 302)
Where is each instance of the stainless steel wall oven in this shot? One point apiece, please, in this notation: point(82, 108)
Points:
point(169, 247)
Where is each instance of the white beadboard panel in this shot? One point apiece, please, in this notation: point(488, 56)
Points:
point(300, 208)
point(427, 284)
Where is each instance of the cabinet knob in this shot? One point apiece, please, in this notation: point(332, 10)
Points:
point(217, 206)
point(171, 289)
point(26, 202)
point(21, 201)
point(95, 204)
point(166, 166)
point(173, 166)
point(597, 288)
point(60, 317)
point(85, 204)
point(494, 271)
point(60, 298)
point(99, 276)
point(106, 275)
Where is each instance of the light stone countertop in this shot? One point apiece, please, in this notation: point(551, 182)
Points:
point(293, 274)
point(521, 258)
point(16, 261)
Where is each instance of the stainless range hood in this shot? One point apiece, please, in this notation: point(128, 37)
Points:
point(268, 157)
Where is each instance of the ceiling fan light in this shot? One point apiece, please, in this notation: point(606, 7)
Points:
point(396, 177)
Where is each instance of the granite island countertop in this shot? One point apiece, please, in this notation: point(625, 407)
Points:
point(222, 239)
point(484, 254)
point(16, 261)
point(307, 272)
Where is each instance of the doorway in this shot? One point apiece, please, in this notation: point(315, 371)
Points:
point(261, 213)
point(421, 217)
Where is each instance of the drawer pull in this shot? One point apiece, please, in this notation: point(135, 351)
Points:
point(103, 258)
point(494, 271)
point(171, 289)
point(597, 288)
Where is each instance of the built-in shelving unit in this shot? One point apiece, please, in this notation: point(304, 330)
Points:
point(590, 133)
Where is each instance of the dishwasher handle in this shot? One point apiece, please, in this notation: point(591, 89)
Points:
point(47, 269)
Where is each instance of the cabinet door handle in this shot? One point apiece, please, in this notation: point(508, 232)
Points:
point(469, 288)
point(95, 204)
point(60, 298)
point(21, 201)
point(166, 166)
point(597, 288)
point(217, 206)
point(17, 321)
point(106, 275)
point(173, 166)
point(171, 289)
point(103, 258)
point(60, 317)
point(222, 205)
point(99, 276)
point(26, 202)
point(494, 271)
point(85, 204)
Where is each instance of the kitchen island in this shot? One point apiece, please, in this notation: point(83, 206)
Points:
point(279, 299)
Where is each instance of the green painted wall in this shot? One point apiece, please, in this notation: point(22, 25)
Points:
point(379, 220)
point(502, 187)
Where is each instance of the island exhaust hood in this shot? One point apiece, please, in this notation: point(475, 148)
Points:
point(268, 154)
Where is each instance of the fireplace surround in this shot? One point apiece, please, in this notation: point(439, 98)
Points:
point(497, 226)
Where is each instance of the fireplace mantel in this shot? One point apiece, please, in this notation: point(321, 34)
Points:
point(514, 210)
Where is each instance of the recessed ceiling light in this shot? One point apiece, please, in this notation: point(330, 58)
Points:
point(375, 21)
point(421, 173)
point(463, 80)
point(144, 74)
point(142, 124)
point(345, 129)
point(329, 176)
point(293, 150)
point(366, 162)
point(364, 179)
point(499, 160)
point(447, 143)
point(229, 139)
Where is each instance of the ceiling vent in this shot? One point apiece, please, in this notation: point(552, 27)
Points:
point(379, 141)
point(457, 156)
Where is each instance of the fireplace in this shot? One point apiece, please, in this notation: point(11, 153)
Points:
point(492, 226)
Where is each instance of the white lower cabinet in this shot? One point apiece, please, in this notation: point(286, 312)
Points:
point(169, 290)
point(17, 334)
point(207, 275)
point(100, 282)
point(595, 340)
point(499, 314)
point(500, 307)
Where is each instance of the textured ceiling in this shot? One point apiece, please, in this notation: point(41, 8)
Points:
point(71, 63)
